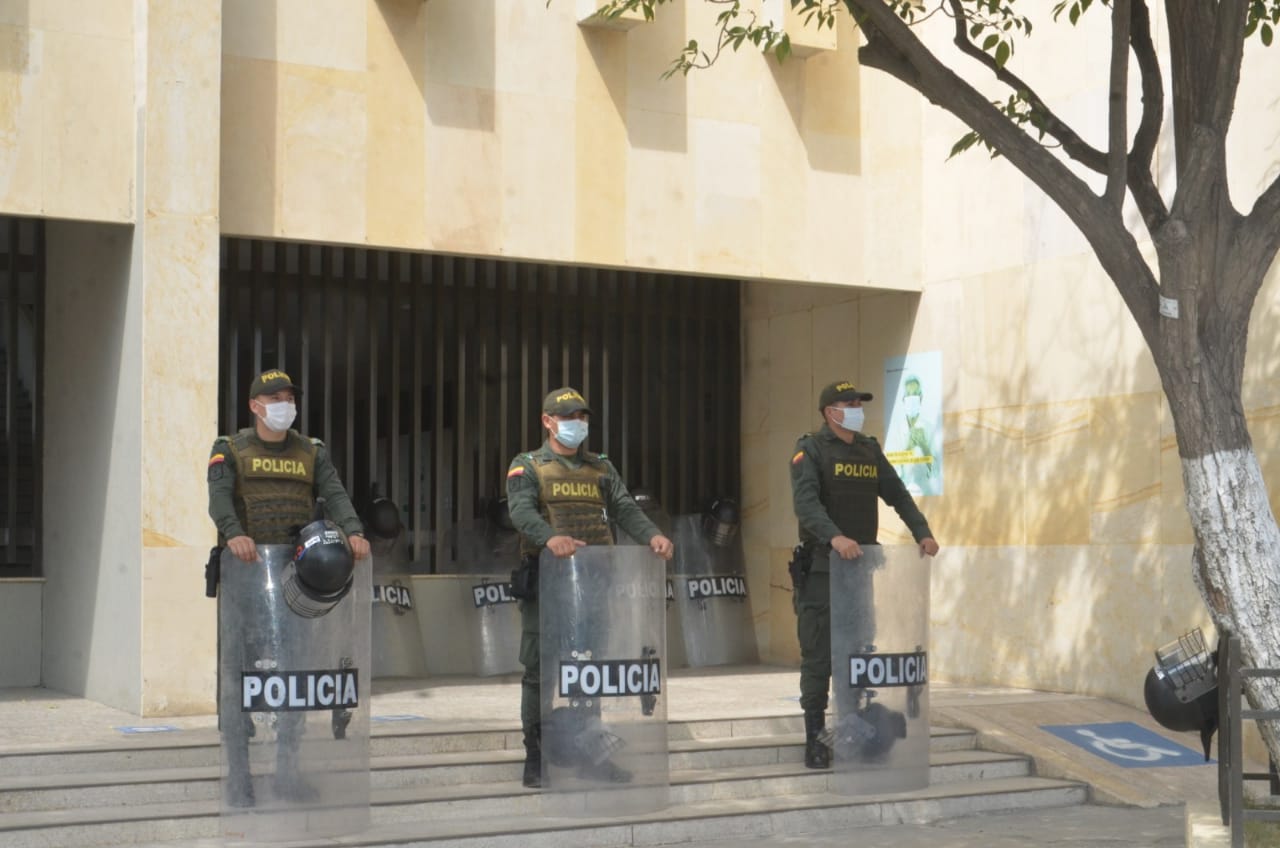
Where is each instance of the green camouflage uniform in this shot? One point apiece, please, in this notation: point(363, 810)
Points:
point(587, 519)
point(834, 487)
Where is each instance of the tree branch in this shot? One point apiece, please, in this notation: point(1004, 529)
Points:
point(1228, 51)
point(1142, 178)
point(1072, 144)
point(893, 48)
point(1118, 99)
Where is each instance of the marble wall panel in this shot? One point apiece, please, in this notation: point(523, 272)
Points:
point(984, 505)
point(250, 199)
point(179, 636)
point(537, 168)
point(1124, 469)
point(784, 645)
point(600, 147)
point(727, 210)
point(1057, 455)
point(464, 171)
point(21, 127)
point(660, 205)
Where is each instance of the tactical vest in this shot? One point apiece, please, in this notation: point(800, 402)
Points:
point(275, 490)
point(849, 486)
point(573, 501)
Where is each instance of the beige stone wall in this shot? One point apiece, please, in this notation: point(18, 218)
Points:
point(67, 119)
point(502, 127)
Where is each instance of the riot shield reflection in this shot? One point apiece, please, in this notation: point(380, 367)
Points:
point(711, 596)
point(604, 707)
point(879, 670)
point(293, 704)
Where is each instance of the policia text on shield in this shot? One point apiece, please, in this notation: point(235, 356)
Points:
point(837, 475)
point(267, 483)
point(562, 498)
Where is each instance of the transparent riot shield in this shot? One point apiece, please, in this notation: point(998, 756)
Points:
point(711, 597)
point(397, 638)
point(293, 704)
point(880, 670)
point(604, 707)
point(495, 624)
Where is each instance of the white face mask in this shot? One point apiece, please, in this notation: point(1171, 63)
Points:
point(279, 415)
point(911, 406)
point(852, 418)
point(571, 433)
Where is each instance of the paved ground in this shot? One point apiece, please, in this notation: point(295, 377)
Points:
point(1133, 806)
point(1073, 827)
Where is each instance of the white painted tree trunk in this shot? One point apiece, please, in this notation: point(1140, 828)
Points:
point(1237, 563)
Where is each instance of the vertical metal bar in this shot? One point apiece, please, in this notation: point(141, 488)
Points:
point(327, 282)
point(396, 275)
point(439, 460)
point(1224, 727)
point(375, 288)
point(626, 318)
point(416, 280)
point(1237, 746)
point(508, 335)
point(37, 409)
point(464, 271)
point(305, 283)
point(530, 360)
point(11, 394)
point(349, 370)
point(486, 306)
point(255, 301)
point(279, 283)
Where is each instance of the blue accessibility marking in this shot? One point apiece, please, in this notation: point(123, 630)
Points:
point(1127, 744)
point(404, 717)
point(148, 728)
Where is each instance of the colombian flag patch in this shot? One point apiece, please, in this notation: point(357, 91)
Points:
point(799, 456)
point(216, 458)
point(515, 472)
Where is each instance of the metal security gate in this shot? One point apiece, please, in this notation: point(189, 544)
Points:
point(424, 374)
point(21, 350)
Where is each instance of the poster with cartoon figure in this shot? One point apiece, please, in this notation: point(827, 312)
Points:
point(913, 420)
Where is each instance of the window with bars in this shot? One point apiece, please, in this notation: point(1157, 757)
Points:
point(424, 374)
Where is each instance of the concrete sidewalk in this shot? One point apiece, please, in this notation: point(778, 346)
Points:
point(1141, 806)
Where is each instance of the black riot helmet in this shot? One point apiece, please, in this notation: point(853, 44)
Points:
point(383, 519)
point(1200, 713)
point(720, 521)
point(321, 571)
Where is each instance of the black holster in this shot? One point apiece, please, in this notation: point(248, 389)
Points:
point(213, 572)
point(800, 565)
point(524, 580)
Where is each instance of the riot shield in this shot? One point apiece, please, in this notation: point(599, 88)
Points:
point(711, 597)
point(397, 638)
point(604, 706)
point(880, 670)
point(495, 624)
point(293, 703)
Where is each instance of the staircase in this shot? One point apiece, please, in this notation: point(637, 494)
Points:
point(729, 778)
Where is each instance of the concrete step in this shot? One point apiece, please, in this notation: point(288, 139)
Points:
point(195, 824)
point(465, 784)
point(191, 749)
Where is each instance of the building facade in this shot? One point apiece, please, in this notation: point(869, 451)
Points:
point(156, 156)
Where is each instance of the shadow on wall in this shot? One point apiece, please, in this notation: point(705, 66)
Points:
point(92, 511)
point(15, 40)
point(460, 79)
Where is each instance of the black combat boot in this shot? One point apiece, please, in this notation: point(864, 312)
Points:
point(532, 764)
point(817, 754)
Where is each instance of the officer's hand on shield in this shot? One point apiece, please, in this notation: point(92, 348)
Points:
point(243, 547)
point(359, 546)
point(564, 546)
point(661, 546)
point(846, 547)
point(928, 547)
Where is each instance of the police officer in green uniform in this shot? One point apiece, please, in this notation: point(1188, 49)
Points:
point(263, 485)
point(837, 474)
point(562, 497)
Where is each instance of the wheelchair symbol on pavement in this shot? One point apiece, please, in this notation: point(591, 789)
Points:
point(1125, 749)
point(1126, 744)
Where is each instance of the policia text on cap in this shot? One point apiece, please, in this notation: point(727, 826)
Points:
point(837, 475)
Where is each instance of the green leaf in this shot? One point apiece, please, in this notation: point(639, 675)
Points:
point(1002, 53)
point(989, 42)
point(1266, 34)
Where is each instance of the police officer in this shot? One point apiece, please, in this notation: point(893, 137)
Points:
point(263, 485)
point(562, 522)
point(837, 510)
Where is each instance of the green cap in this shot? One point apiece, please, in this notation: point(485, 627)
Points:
point(838, 391)
point(564, 401)
point(272, 381)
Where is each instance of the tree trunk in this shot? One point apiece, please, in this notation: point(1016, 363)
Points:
point(1237, 540)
